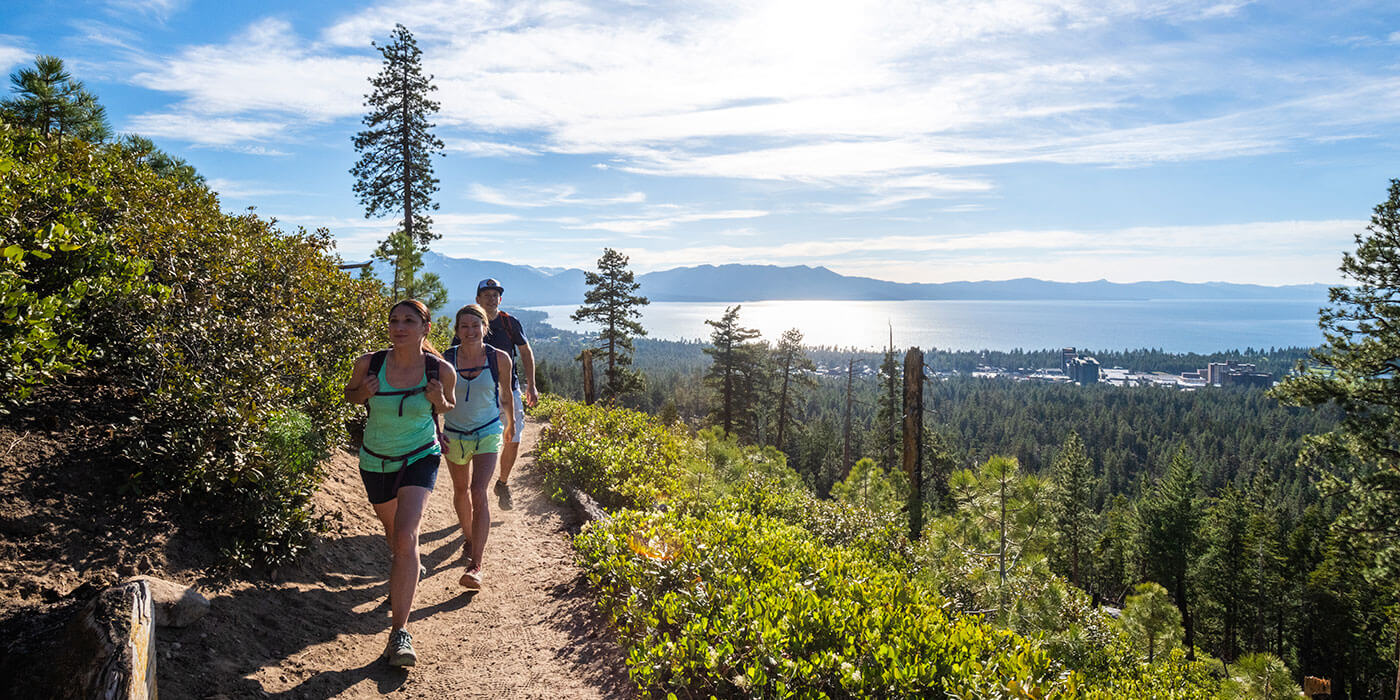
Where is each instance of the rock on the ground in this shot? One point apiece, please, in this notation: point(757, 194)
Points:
point(176, 605)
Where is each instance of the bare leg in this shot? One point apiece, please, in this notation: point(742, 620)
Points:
point(386, 511)
point(482, 467)
point(461, 501)
point(403, 576)
point(508, 452)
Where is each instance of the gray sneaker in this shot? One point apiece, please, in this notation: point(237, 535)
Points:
point(400, 649)
point(503, 495)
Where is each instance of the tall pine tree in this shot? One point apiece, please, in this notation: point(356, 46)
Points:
point(1072, 508)
point(611, 303)
point(395, 170)
point(795, 370)
point(734, 354)
point(1169, 523)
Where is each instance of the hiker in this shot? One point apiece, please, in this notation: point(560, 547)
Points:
point(483, 418)
point(506, 334)
point(400, 453)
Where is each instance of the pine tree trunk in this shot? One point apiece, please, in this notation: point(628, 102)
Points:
point(846, 448)
point(404, 134)
point(782, 404)
point(1186, 620)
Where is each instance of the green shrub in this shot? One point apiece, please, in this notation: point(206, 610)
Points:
point(736, 605)
point(622, 458)
point(224, 324)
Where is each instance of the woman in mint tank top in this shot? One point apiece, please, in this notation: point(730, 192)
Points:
point(404, 388)
point(481, 419)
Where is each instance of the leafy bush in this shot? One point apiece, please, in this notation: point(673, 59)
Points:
point(225, 325)
point(737, 605)
point(58, 259)
point(622, 458)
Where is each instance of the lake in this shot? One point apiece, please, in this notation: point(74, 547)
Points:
point(1172, 325)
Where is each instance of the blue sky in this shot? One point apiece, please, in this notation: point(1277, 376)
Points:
point(913, 141)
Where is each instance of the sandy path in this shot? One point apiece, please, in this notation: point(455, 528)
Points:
point(532, 632)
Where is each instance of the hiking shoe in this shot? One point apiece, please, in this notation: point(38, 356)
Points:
point(472, 579)
point(503, 495)
point(400, 649)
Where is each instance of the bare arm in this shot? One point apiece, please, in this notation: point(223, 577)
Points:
point(503, 367)
point(527, 367)
point(442, 392)
point(361, 386)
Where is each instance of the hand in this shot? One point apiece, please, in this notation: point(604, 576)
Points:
point(434, 389)
point(509, 434)
point(370, 386)
point(532, 396)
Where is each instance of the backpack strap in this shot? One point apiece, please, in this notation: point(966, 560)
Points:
point(430, 372)
point(510, 323)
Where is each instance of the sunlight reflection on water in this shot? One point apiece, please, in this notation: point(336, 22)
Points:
point(1171, 325)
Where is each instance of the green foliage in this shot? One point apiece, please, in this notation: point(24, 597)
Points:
point(870, 486)
point(622, 458)
point(61, 257)
point(737, 363)
point(225, 326)
point(395, 169)
point(1072, 508)
point(993, 543)
point(1356, 370)
point(734, 605)
point(1169, 522)
point(49, 100)
point(1259, 677)
point(611, 302)
point(403, 253)
point(1151, 621)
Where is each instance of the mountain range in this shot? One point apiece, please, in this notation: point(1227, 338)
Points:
point(534, 286)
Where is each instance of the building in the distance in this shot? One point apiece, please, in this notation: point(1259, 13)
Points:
point(1067, 355)
point(1084, 370)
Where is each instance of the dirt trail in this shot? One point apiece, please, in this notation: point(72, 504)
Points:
point(532, 632)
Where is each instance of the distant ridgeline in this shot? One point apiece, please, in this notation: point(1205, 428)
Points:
point(535, 286)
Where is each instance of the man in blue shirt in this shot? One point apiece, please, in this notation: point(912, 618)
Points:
point(507, 334)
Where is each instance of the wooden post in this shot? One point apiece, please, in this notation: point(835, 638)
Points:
point(589, 396)
point(914, 437)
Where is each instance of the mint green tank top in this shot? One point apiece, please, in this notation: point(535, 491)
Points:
point(393, 440)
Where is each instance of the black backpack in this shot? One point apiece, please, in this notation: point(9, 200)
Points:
point(430, 372)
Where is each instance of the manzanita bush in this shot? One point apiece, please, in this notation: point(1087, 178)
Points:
point(727, 577)
point(237, 336)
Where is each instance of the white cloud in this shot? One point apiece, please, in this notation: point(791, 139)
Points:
point(1273, 252)
point(488, 149)
point(636, 225)
point(11, 54)
point(266, 69)
point(158, 9)
point(205, 131)
point(559, 195)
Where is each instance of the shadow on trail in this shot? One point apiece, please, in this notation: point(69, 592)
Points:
point(268, 626)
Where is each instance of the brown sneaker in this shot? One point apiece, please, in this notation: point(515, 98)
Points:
point(472, 579)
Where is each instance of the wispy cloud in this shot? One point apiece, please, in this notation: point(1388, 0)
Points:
point(1226, 251)
point(488, 149)
point(11, 53)
point(206, 131)
point(663, 220)
point(537, 196)
point(160, 10)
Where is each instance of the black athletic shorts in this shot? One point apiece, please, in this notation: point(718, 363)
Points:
point(383, 487)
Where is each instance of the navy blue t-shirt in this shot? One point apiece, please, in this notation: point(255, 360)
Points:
point(505, 334)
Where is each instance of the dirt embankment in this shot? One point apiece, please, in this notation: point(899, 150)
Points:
point(315, 630)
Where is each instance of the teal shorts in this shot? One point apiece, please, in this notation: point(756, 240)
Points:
point(460, 450)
